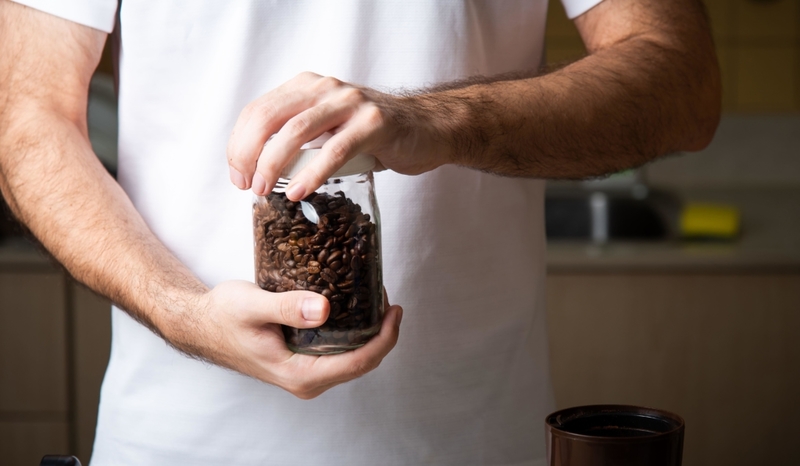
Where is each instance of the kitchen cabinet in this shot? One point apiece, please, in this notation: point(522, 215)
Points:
point(34, 407)
point(54, 344)
point(720, 349)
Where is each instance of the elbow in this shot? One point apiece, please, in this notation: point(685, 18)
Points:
point(704, 106)
point(706, 121)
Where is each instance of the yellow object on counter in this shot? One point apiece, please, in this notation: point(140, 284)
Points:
point(710, 221)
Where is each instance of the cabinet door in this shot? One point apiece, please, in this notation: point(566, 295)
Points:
point(23, 443)
point(33, 350)
point(33, 367)
point(720, 350)
point(92, 344)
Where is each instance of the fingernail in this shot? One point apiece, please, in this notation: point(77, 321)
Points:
point(237, 179)
point(399, 316)
point(259, 184)
point(312, 308)
point(296, 191)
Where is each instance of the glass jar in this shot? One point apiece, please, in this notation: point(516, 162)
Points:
point(328, 243)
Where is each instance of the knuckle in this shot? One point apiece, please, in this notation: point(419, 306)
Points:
point(286, 309)
point(298, 127)
point(361, 367)
point(329, 82)
point(263, 110)
point(353, 94)
point(308, 395)
point(339, 151)
point(306, 76)
point(374, 116)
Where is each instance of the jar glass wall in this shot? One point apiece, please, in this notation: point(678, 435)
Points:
point(328, 243)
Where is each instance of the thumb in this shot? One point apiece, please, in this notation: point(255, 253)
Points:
point(300, 309)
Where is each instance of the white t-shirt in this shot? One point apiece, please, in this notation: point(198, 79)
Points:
point(464, 251)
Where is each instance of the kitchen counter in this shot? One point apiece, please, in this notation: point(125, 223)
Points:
point(769, 240)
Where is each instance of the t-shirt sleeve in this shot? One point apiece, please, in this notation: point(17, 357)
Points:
point(98, 14)
point(576, 8)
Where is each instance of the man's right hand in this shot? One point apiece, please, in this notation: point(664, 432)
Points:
point(237, 325)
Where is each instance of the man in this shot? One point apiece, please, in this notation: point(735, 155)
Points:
point(447, 91)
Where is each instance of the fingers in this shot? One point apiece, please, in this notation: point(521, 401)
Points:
point(324, 372)
point(298, 130)
point(297, 112)
point(344, 145)
point(261, 119)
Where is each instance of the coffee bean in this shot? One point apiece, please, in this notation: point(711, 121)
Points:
point(335, 265)
point(334, 256)
point(355, 263)
point(346, 284)
point(329, 275)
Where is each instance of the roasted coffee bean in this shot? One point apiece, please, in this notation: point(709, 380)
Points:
point(335, 265)
point(335, 255)
point(355, 263)
point(361, 246)
point(322, 256)
point(346, 284)
point(329, 275)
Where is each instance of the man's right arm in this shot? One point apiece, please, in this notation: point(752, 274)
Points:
point(55, 184)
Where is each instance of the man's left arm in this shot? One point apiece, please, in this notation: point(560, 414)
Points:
point(649, 86)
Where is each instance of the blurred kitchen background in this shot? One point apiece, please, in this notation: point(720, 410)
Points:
point(676, 286)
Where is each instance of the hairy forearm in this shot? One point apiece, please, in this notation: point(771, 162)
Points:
point(614, 109)
point(57, 187)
